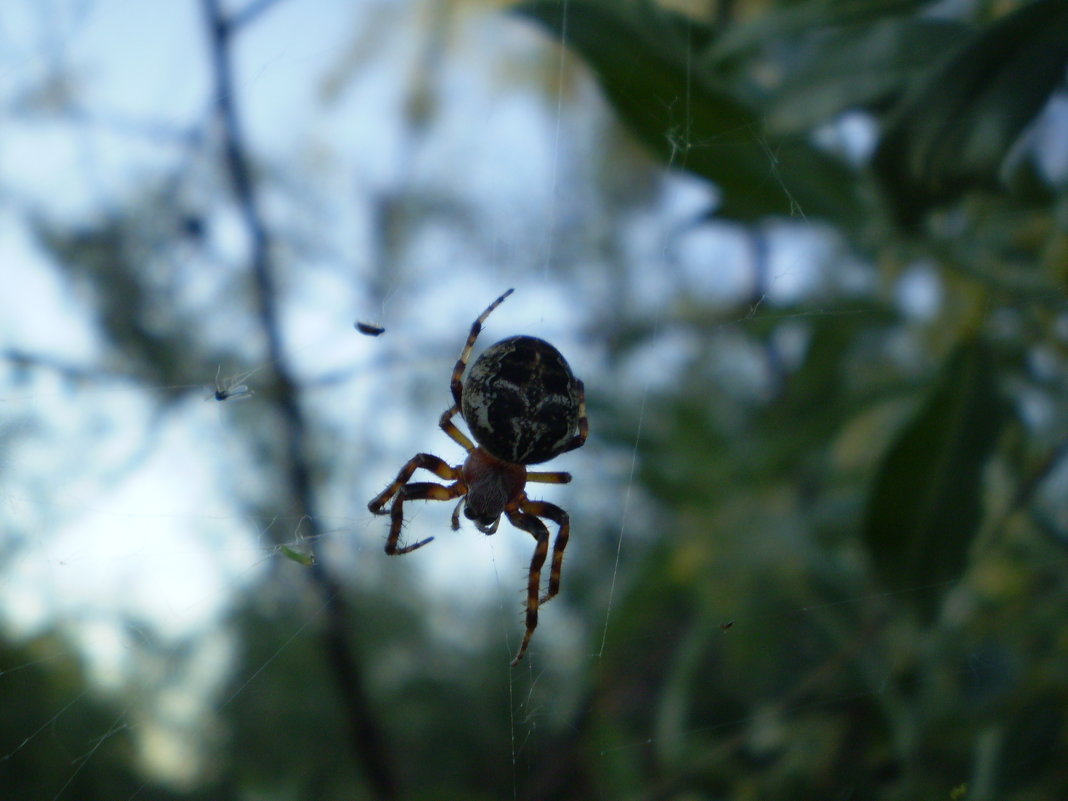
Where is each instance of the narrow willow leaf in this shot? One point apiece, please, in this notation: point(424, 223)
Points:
point(954, 134)
point(645, 60)
point(858, 67)
point(790, 21)
point(926, 505)
point(299, 557)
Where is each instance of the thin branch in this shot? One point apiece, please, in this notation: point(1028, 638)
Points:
point(250, 13)
point(367, 739)
point(1031, 483)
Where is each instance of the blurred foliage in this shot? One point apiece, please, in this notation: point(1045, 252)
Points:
point(859, 466)
point(814, 475)
point(649, 63)
point(925, 504)
point(955, 132)
point(54, 726)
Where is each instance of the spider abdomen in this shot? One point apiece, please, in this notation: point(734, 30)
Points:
point(521, 400)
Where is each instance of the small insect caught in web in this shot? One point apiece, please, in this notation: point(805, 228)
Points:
point(300, 557)
point(369, 329)
point(231, 388)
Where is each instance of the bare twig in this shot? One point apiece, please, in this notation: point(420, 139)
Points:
point(250, 13)
point(367, 739)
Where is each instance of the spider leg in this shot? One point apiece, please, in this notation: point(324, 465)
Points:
point(417, 491)
point(563, 521)
point(549, 478)
point(528, 522)
point(449, 427)
point(584, 424)
point(427, 461)
point(457, 374)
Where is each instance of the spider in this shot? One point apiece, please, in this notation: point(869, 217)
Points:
point(523, 406)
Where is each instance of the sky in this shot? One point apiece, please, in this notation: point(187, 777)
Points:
point(156, 538)
point(101, 97)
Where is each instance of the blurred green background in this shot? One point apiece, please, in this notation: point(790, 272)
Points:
point(810, 259)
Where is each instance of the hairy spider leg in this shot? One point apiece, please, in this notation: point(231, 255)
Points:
point(554, 477)
point(426, 461)
point(404, 491)
point(457, 384)
point(552, 512)
point(537, 529)
point(455, 434)
point(416, 491)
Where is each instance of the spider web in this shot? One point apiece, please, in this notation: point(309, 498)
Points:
point(524, 710)
point(117, 531)
point(266, 528)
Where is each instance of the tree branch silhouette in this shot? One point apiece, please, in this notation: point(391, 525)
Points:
point(368, 741)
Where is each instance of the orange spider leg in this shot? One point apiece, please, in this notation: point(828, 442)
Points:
point(457, 385)
point(449, 427)
point(552, 512)
point(403, 491)
point(549, 478)
point(558, 516)
point(417, 491)
point(537, 529)
point(426, 461)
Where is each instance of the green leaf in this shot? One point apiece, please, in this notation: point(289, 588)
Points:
point(644, 58)
point(789, 21)
point(301, 558)
point(858, 67)
point(925, 508)
point(954, 134)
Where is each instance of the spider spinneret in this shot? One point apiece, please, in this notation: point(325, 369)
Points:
point(523, 406)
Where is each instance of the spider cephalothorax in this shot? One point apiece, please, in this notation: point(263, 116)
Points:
point(523, 406)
